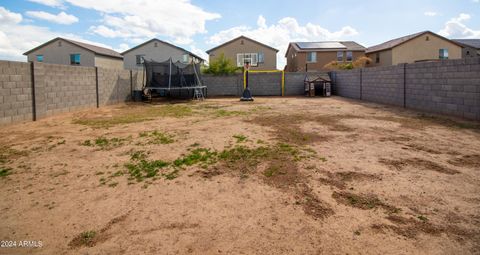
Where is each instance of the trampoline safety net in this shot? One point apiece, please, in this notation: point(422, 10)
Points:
point(169, 78)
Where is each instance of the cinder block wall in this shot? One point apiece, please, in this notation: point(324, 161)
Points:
point(15, 92)
point(114, 86)
point(383, 84)
point(30, 91)
point(260, 84)
point(449, 87)
point(348, 83)
point(64, 88)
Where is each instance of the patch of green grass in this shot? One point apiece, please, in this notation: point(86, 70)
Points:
point(240, 138)
point(226, 113)
point(272, 171)
point(143, 168)
point(5, 171)
point(156, 137)
point(422, 218)
point(135, 114)
point(87, 237)
point(199, 155)
point(106, 143)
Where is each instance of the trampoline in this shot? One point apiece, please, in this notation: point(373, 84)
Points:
point(173, 79)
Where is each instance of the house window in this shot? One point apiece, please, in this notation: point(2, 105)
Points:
point(139, 59)
point(311, 57)
point(39, 58)
point(349, 56)
point(60, 44)
point(340, 56)
point(185, 58)
point(155, 45)
point(427, 38)
point(468, 53)
point(443, 54)
point(261, 57)
point(241, 42)
point(74, 59)
point(243, 58)
point(377, 58)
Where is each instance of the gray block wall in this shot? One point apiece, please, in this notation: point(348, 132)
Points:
point(66, 88)
point(450, 87)
point(383, 84)
point(260, 84)
point(114, 86)
point(348, 83)
point(31, 91)
point(15, 92)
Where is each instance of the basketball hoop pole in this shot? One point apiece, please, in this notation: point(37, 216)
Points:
point(246, 96)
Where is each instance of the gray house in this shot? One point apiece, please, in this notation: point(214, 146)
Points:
point(69, 52)
point(159, 51)
point(471, 47)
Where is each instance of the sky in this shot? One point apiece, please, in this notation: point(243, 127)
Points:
point(199, 25)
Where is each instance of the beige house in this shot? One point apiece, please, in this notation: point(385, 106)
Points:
point(423, 46)
point(243, 49)
point(313, 56)
point(69, 52)
point(159, 51)
point(471, 47)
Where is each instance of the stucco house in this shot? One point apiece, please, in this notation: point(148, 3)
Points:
point(69, 52)
point(157, 50)
point(243, 49)
point(471, 47)
point(313, 56)
point(422, 46)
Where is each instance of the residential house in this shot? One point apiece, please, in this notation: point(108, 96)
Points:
point(243, 49)
point(313, 56)
point(69, 52)
point(423, 46)
point(159, 51)
point(471, 47)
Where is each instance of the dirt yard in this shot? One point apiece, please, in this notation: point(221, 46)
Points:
point(276, 176)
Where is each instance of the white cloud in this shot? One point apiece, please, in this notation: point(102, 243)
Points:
point(430, 14)
point(60, 18)
point(17, 38)
point(122, 47)
point(131, 19)
point(51, 3)
point(456, 28)
point(279, 35)
point(8, 17)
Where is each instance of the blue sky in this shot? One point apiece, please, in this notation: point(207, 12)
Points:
point(198, 25)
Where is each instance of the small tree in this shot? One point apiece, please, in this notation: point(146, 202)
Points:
point(221, 66)
point(358, 63)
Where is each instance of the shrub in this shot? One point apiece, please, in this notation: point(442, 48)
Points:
point(221, 66)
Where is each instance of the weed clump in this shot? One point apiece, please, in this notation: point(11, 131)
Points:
point(156, 137)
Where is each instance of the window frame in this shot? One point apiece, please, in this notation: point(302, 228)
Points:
point(39, 56)
point(377, 57)
point(312, 58)
point(261, 58)
point(351, 56)
point(443, 56)
point(74, 62)
point(186, 58)
point(142, 58)
point(340, 56)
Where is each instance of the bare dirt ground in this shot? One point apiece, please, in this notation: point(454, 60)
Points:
point(276, 176)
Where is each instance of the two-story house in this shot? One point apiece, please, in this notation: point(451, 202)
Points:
point(157, 50)
point(242, 50)
point(69, 52)
point(313, 56)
